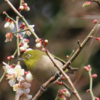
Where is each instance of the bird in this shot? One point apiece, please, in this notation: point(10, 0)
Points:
point(40, 65)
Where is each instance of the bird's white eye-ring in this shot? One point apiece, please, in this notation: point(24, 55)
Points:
point(29, 55)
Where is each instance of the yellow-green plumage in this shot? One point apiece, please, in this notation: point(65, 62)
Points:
point(41, 66)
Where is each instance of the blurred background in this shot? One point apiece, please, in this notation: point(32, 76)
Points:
point(63, 23)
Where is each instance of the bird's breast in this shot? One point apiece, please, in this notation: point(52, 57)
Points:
point(44, 69)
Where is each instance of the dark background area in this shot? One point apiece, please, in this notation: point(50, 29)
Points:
point(63, 23)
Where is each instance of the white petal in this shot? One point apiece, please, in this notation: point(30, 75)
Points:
point(26, 85)
point(26, 91)
point(6, 25)
point(29, 49)
point(10, 71)
point(17, 67)
point(11, 26)
point(12, 82)
point(29, 77)
point(32, 25)
point(20, 78)
point(19, 91)
point(29, 97)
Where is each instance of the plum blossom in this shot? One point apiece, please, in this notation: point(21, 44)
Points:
point(24, 45)
point(29, 76)
point(22, 88)
point(28, 32)
point(9, 24)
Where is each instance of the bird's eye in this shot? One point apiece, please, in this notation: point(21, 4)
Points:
point(29, 55)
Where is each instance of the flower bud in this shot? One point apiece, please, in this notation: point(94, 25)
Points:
point(38, 45)
point(89, 66)
point(94, 75)
point(66, 93)
point(88, 90)
point(45, 42)
point(95, 21)
point(4, 12)
point(59, 83)
point(96, 98)
point(20, 8)
point(26, 40)
point(26, 8)
point(86, 68)
point(98, 39)
point(9, 58)
point(43, 49)
point(62, 97)
point(38, 40)
point(29, 77)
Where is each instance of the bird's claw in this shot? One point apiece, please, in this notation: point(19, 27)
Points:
point(57, 74)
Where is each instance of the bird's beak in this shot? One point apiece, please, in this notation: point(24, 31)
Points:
point(20, 59)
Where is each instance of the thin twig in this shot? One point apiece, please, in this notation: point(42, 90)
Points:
point(92, 95)
point(65, 75)
point(2, 76)
point(17, 29)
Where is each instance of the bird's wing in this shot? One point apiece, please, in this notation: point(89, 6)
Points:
point(71, 70)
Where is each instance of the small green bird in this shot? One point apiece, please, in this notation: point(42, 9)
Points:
point(41, 66)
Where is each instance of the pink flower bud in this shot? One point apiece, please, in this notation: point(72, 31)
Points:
point(67, 57)
point(9, 58)
point(38, 40)
point(19, 36)
point(12, 57)
point(4, 12)
point(62, 78)
point(89, 66)
point(96, 98)
point(20, 8)
point(21, 44)
point(98, 39)
point(26, 8)
point(62, 97)
point(94, 75)
point(24, 4)
point(22, 25)
point(95, 21)
point(26, 40)
point(86, 68)
point(22, 1)
point(45, 42)
point(88, 90)
point(43, 49)
point(59, 83)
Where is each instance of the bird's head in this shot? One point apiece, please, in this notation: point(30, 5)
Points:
point(31, 57)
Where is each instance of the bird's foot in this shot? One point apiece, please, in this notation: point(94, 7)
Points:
point(42, 88)
point(57, 74)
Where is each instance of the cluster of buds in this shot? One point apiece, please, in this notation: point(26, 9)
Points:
point(59, 83)
point(40, 43)
point(87, 68)
point(23, 7)
point(9, 23)
point(86, 4)
point(10, 57)
point(19, 80)
point(23, 26)
point(9, 37)
point(24, 45)
point(63, 94)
